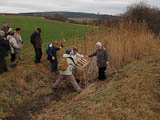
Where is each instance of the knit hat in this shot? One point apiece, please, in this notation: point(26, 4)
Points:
point(18, 29)
point(39, 30)
point(68, 51)
point(99, 44)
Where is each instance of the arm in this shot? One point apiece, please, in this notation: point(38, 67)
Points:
point(32, 39)
point(107, 55)
point(57, 49)
point(5, 43)
point(92, 55)
point(80, 56)
point(14, 44)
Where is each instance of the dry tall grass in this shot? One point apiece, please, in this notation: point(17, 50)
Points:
point(125, 43)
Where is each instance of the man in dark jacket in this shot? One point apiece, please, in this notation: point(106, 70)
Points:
point(102, 60)
point(4, 48)
point(37, 44)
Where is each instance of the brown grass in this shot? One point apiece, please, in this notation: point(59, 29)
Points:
point(133, 94)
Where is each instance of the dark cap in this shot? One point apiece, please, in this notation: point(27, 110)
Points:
point(39, 30)
point(18, 29)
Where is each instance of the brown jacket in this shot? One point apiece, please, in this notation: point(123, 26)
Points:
point(102, 57)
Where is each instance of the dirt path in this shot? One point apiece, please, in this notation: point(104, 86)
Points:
point(24, 111)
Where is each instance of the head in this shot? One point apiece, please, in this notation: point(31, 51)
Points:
point(5, 24)
point(68, 51)
point(54, 44)
point(98, 45)
point(38, 30)
point(18, 30)
point(2, 34)
point(75, 50)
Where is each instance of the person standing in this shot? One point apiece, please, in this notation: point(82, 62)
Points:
point(4, 48)
point(75, 54)
point(102, 60)
point(67, 74)
point(14, 49)
point(18, 38)
point(52, 56)
point(37, 44)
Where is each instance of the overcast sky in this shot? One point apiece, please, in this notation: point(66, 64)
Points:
point(113, 7)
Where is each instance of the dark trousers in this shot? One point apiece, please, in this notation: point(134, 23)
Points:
point(13, 57)
point(54, 65)
point(3, 66)
point(102, 75)
point(38, 52)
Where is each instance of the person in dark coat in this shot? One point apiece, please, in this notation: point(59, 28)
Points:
point(102, 60)
point(37, 44)
point(52, 56)
point(4, 48)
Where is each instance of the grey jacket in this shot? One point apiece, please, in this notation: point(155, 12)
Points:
point(19, 40)
point(102, 57)
point(13, 44)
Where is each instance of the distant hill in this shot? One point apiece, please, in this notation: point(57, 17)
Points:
point(69, 15)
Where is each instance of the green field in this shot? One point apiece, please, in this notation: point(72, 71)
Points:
point(51, 30)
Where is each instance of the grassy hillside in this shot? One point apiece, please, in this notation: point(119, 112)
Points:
point(132, 94)
point(51, 30)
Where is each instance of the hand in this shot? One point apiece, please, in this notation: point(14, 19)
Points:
point(53, 58)
point(85, 57)
point(107, 62)
point(62, 46)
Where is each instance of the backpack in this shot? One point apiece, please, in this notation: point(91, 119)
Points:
point(63, 65)
point(47, 48)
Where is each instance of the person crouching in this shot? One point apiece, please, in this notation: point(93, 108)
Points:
point(67, 74)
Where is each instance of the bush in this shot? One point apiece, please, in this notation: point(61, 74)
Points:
point(142, 12)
